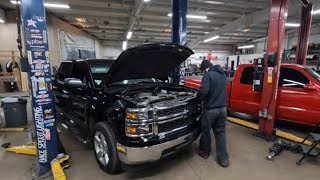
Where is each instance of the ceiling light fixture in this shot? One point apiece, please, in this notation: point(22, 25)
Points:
point(168, 30)
point(146, 0)
point(246, 30)
point(211, 39)
point(292, 24)
point(129, 34)
point(15, 2)
point(190, 16)
point(1, 21)
point(81, 20)
point(57, 5)
point(47, 5)
point(124, 45)
point(316, 12)
point(246, 47)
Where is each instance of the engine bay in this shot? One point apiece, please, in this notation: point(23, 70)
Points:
point(159, 95)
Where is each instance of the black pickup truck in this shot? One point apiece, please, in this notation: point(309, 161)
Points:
point(126, 108)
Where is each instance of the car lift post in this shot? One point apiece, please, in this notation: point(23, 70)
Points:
point(179, 33)
point(276, 30)
point(304, 32)
point(33, 20)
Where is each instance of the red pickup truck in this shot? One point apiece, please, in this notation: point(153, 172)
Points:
point(298, 93)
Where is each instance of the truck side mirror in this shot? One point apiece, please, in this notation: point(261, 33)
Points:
point(75, 83)
point(309, 87)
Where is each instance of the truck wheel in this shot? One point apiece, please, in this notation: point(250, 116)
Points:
point(105, 148)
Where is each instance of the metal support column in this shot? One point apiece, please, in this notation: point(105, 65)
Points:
point(33, 19)
point(272, 67)
point(179, 32)
point(304, 32)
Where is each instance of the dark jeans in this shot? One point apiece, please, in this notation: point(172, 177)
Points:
point(215, 119)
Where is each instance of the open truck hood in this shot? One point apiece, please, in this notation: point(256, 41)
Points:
point(147, 61)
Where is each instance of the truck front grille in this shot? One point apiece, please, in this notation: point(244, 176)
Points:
point(170, 111)
point(175, 117)
point(166, 127)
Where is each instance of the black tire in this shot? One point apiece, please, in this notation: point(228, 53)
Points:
point(113, 164)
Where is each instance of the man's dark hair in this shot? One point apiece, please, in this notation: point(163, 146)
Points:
point(205, 64)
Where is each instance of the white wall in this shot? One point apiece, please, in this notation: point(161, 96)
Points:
point(107, 52)
point(217, 57)
point(8, 36)
point(289, 41)
point(244, 59)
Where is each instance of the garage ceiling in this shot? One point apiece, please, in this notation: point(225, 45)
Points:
point(236, 22)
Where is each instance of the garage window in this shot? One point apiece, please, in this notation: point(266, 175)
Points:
point(291, 78)
point(247, 76)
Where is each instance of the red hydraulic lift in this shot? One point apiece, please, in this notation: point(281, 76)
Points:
point(273, 57)
point(304, 32)
point(276, 32)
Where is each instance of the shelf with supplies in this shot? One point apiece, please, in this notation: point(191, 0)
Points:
point(11, 78)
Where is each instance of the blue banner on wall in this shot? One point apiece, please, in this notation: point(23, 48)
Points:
point(35, 28)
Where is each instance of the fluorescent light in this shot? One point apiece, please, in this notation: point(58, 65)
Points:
point(47, 4)
point(316, 12)
point(146, 0)
point(81, 20)
point(190, 16)
point(57, 5)
point(211, 39)
point(1, 21)
point(129, 34)
point(196, 17)
point(246, 47)
point(15, 2)
point(292, 25)
point(124, 45)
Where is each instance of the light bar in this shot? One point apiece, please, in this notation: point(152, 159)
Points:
point(57, 5)
point(246, 47)
point(124, 45)
point(316, 12)
point(47, 5)
point(1, 21)
point(15, 2)
point(190, 16)
point(129, 34)
point(211, 39)
point(292, 25)
point(146, 0)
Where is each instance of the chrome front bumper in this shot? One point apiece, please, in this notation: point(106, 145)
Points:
point(139, 155)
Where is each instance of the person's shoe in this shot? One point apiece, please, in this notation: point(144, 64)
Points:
point(204, 155)
point(223, 163)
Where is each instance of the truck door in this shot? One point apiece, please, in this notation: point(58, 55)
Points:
point(80, 97)
point(61, 94)
point(294, 102)
point(243, 98)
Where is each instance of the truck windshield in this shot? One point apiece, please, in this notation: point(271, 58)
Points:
point(313, 73)
point(98, 72)
point(137, 81)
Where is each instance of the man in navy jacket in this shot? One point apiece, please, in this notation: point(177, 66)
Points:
point(214, 115)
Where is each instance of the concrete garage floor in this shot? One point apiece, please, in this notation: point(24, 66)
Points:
point(247, 155)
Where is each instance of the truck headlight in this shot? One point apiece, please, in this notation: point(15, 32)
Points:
point(132, 115)
point(138, 123)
